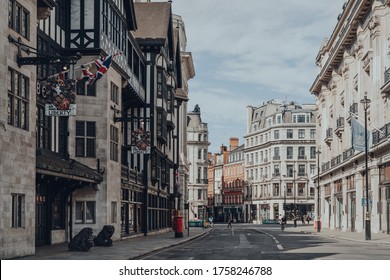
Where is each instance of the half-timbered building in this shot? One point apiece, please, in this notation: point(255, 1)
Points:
point(90, 129)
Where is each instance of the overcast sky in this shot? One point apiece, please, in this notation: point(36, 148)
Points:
point(251, 51)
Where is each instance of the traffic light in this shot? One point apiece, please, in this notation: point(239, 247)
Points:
point(284, 206)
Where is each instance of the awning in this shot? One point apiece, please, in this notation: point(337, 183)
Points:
point(54, 164)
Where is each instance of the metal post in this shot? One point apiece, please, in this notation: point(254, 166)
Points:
point(365, 103)
point(285, 205)
point(295, 207)
point(318, 191)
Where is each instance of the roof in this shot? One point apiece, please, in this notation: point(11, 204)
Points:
point(51, 163)
point(153, 21)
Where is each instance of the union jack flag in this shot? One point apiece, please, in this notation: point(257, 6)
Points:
point(102, 66)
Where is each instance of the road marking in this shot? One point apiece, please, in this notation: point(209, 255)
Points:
point(244, 242)
point(280, 247)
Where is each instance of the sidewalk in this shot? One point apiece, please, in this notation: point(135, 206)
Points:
point(376, 238)
point(121, 250)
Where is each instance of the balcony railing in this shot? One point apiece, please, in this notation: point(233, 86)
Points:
point(387, 76)
point(340, 122)
point(348, 153)
point(325, 166)
point(276, 157)
point(202, 181)
point(335, 161)
point(354, 108)
point(382, 133)
point(301, 157)
point(329, 134)
point(339, 126)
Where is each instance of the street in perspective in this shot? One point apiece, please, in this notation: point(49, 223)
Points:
point(268, 242)
point(114, 146)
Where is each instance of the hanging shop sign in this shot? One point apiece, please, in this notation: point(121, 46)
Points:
point(59, 94)
point(140, 141)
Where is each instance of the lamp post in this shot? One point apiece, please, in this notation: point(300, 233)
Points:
point(285, 205)
point(250, 203)
point(365, 101)
point(295, 213)
point(318, 191)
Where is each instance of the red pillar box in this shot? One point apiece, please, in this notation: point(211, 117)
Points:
point(178, 226)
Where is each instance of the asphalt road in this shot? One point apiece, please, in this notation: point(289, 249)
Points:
point(268, 242)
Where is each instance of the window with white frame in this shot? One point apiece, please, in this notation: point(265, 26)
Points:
point(301, 118)
point(301, 133)
point(279, 118)
point(85, 212)
point(289, 152)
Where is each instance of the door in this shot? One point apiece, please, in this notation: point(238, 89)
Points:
point(41, 226)
point(353, 211)
point(388, 217)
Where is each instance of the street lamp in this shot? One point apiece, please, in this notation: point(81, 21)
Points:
point(318, 191)
point(365, 101)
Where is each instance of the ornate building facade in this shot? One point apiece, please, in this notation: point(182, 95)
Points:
point(280, 161)
point(354, 66)
point(233, 182)
point(197, 147)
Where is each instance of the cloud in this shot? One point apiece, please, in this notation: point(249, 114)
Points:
point(247, 52)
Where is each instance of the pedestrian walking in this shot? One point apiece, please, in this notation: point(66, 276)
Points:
point(229, 225)
point(303, 219)
point(308, 219)
point(211, 220)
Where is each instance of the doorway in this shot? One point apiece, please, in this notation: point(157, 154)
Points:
point(41, 217)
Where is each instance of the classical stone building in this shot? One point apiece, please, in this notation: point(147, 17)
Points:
point(353, 66)
point(197, 147)
point(112, 155)
point(280, 160)
point(17, 131)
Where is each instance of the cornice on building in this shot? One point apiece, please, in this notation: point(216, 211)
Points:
point(342, 37)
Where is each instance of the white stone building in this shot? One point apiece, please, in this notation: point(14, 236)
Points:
point(280, 160)
point(354, 64)
point(197, 151)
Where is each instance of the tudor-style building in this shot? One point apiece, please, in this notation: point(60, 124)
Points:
point(159, 41)
point(63, 173)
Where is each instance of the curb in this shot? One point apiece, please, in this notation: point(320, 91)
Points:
point(170, 245)
point(345, 238)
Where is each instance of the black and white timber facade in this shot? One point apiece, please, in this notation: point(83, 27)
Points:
point(60, 174)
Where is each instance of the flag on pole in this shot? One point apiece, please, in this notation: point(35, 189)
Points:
point(358, 142)
point(102, 65)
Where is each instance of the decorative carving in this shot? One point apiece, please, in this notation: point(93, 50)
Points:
point(104, 237)
point(43, 13)
point(82, 240)
point(373, 23)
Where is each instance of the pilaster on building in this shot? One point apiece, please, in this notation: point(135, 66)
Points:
point(353, 67)
point(280, 161)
